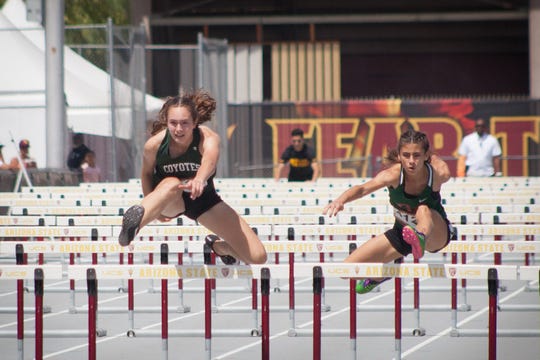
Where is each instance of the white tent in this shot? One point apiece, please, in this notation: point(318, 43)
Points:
point(22, 88)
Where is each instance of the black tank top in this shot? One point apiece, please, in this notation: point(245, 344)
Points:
point(183, 167)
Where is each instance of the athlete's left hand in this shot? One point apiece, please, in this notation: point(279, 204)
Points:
point(194, 186)
point(333, 208)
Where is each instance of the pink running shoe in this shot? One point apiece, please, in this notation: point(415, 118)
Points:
point(416, 239)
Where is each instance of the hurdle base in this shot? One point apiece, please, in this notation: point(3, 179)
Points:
point(285, 308)
point(227, 290)
point(429, 307)
point(435, 288)
point(108, 289)
point(500, 333)
point(183, 309)
point(74, 333)
point(27, 310)
point(121, 310)
point(326, 289)
point(513, 307)
point(195, 333)
point(347, 332)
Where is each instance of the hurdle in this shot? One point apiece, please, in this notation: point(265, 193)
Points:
point(402, 270)
point(453, 248)
point(164, 271)
point(510, 272)
point(39, 273)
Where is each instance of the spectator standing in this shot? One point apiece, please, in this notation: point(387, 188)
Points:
point(301, 159)
point(479, 153)
point(91, 172)
point(77, 153)
point(3, 164)
point(24, 152)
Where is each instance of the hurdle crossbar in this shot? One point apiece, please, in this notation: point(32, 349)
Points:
point(291, 246)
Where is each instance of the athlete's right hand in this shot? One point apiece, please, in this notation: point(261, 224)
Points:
point(333, 208)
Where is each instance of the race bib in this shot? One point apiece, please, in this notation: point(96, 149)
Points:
point(404, 218)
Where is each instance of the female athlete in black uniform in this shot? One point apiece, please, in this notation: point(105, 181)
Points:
point(414, 181)
point(179, 164)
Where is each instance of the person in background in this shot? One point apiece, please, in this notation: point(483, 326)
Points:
point(77, 153)
point(24, 152)
point(479, 153)
point(414, 180)
point(91, 172)
point(177, 177)
point(3, 164)
point(301, 159)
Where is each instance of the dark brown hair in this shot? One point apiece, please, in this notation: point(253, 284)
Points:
point(410, 136)
point(199, 103)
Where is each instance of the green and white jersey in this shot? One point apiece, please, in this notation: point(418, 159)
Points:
point(405, 205)
point(183, 167)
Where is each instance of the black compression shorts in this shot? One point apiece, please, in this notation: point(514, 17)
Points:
point(197, 207)
point(395, 236)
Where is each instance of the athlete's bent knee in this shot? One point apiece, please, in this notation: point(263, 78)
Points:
point(260, 257)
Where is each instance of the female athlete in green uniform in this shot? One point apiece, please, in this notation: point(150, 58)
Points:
point(414, 182)
point(179, 164)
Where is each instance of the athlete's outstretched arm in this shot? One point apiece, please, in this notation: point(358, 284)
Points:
point(386, 177)
point(210, 155)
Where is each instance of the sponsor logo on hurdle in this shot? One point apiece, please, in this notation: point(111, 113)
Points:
point(470, 273)
point(37, 248)
point(473, 247)
point(526, 248)
point(433, 271)
point(341, 271)
point(112, 273)
point(184, 230)
point(16, 274)
point(148, 247)
point(186, 272)
point(512, 230)
point(74, 247)
point(454, 272)
point(302, 246)
point(43, 231)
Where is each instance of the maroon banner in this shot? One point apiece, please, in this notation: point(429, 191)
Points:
point(352, 137)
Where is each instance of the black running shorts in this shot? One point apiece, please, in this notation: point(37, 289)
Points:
point(395, 236)
point(197, 207)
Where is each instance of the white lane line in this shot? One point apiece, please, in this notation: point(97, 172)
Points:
point(53, 314)
point(459, 324)
point(123, 333)
point(286, 332)
point(48, 285)
point(45, 316)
